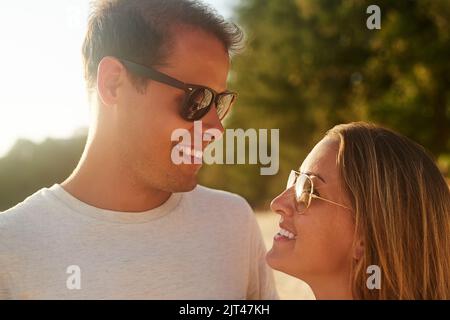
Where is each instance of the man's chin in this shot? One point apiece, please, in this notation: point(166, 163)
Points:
point(185, 183)
point(182, 179)
point(186, 187)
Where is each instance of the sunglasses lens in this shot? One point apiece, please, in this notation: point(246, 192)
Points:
point(303, 189)
point(197, 104)
point(291, 179)
point(224, 104)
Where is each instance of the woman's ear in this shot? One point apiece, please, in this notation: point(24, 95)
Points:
point(358, 249)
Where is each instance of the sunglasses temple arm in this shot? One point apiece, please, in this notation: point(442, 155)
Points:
point(338, 204)
point(154, 74)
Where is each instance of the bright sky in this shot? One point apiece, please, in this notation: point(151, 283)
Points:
point(41, 80)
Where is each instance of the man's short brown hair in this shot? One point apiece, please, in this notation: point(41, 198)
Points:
point(141, 30)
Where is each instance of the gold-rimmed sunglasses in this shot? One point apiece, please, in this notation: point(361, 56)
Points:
point(304, 191)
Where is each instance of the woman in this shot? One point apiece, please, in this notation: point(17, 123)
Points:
point(365, 196)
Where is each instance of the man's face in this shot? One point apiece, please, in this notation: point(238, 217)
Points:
point(146, 121)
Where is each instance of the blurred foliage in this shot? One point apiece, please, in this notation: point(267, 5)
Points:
point(29, 167)
point(308, 65)
point(311, 64)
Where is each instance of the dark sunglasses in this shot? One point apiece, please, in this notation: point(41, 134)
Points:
point(198, 99)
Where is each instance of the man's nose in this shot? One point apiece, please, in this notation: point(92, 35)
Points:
point(282, 204)
point(211, 120)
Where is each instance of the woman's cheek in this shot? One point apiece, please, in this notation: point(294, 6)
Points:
point(312, 244)
point(322, 244)
point(339, 242)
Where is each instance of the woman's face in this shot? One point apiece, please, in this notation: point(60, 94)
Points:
point(323, 233)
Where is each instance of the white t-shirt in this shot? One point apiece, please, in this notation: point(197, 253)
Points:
point(202, 244)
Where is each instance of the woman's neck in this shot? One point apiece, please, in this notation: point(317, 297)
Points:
point(331, 288)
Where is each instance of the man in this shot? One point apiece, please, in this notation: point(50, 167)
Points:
point(129, 222)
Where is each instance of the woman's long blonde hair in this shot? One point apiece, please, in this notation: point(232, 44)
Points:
point(401, 205)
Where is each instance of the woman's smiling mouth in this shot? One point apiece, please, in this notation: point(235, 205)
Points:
point(284, 234)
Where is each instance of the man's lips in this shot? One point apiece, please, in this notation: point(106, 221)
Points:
point(190, 155)
point(192, 149)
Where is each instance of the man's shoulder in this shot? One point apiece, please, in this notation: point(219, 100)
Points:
point(221, 205)
point(220, 198)
point(24, 212)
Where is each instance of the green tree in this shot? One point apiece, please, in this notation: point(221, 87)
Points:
point(29, 167)
point(311, 64)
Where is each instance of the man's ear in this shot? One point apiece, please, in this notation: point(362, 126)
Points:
point(109, 74)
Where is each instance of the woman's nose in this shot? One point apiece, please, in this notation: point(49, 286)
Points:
point(282, 204)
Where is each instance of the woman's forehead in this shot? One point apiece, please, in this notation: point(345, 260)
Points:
point(322, 159)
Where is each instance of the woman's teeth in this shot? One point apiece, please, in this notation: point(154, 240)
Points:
point(286, 234)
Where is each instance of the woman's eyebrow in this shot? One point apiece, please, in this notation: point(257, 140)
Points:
point(315, 175)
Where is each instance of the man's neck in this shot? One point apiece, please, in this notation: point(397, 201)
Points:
point(109, 186)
